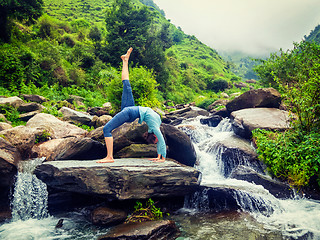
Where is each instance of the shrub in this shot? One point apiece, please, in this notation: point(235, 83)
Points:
point(147, 212)
point(291, 155)
point(218, 85)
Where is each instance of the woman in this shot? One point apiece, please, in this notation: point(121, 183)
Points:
point(129, 113)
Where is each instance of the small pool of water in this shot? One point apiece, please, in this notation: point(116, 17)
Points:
point(220, 226)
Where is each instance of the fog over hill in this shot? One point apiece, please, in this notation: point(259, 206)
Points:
point(253, 27)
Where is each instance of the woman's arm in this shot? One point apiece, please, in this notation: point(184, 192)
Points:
point(161, 146)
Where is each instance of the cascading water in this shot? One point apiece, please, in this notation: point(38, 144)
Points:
point(294, 218)
point(30, 197)
point(30, 218)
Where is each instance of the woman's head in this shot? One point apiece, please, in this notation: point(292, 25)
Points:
point(150, 137)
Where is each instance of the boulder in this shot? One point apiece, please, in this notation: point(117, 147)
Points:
point(211, 121)
point(237, 151)
point(246, 120)
point(54, 126)
point(98, 111)
point(4, 126)
point(124, 179)
point(217, 198)
point(47, 149)
point(100, 121)
point(257, 98)
point(106, 216)
point(160, 230)
point(9, 158)
point(27, 116)
point(30, 107)
point(75, 116)
point(2, 118)
point(34, 98)
point(275, 187)
point(23, 138)
point(176, 117)
point(70, 148)
point(12, 101)
point(179, 145)
point(217, 103)
point(240, 85)
point(74, 99)
point(138, 151)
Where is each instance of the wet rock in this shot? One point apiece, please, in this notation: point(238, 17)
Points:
point(276, 188)
point(123, 179)
point(216, 198)
point(160, 230)
point(212, 121)
point(236, 151)
point(257, 98)
point(47, 149)
point(176, 117)
point(55, 127)
point(246, 120)
point(12, 101)
point(180, 146)
point(107, 217)
point(76, 116)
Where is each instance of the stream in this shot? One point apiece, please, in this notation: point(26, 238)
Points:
point(261, 215)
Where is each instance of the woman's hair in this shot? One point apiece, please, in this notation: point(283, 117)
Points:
point(150, 137)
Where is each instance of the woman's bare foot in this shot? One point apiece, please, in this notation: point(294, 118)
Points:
point(106, 160)
point(127, 55)
point(158, 159)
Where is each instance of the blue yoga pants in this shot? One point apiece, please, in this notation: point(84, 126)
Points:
point(129, 112)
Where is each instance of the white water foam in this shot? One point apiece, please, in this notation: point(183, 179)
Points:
point(295, 218)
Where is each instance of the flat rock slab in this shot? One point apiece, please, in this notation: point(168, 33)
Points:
point(126, 178)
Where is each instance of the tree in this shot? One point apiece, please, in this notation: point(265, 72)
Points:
point(128, 26)
point(27, 10)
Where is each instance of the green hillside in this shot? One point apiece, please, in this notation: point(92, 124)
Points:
point(314, 35)
point(74, 48)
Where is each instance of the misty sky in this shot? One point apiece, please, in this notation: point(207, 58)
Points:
point(255, 27)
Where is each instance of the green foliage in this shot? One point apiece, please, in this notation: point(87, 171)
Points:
point(218, 85)
point(144, 88)
point(147, 212)
point(44, 136)
point(296, 73)
point(292, 156)
point(11, 114)
point(23, 10)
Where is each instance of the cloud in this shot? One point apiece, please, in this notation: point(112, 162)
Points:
point(255, 27)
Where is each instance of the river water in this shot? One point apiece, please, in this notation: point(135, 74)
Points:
point(295, 218)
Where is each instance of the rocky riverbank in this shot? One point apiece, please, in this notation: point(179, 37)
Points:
point(70, 153)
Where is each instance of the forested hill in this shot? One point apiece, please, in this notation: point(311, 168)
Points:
point(314, 35)
point(73, 47)
point(191, 64)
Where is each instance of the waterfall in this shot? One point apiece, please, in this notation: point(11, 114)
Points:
point(30, 196)
point(296, 218)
